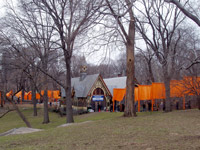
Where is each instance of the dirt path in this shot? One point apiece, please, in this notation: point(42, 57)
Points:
point(22, 130)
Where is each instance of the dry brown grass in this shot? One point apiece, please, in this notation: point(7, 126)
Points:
point(149, 131)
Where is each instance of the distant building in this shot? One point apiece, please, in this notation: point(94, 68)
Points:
point(94, 91)
point(90, 91)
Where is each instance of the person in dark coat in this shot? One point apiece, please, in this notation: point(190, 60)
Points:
point(189, 105)
point(177, 105)
point(144, 107)
point(149, 106)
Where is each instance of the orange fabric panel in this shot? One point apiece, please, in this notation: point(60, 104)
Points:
point(42, 92)
point(144, 92)
point(30, 97)
point(176, 88)
point(19, 94)
point(136, 94)
point(56, 94)
point(37, 96)
point(158, 90)
point(49, 94)
point(198, 85)
point(118, 94)
point(9, 93)
point(191, 85)
point(25, 95)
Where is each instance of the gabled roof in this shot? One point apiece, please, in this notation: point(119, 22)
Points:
point(117, 82)
point(103, 84)
point(82, 87)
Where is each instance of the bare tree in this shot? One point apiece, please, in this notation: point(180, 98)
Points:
point(185, 11)
point(34, 31)
point(128, 37)
point(71, 18)
point(191, 86)
point(147, 57)
point(162, 22)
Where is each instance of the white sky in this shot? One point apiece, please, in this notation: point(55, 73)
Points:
point(2, 9)
point(96, 57)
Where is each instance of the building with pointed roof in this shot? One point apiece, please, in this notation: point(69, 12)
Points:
point(94, 91)
point(90, 91)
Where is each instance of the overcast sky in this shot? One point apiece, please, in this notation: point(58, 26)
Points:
point(2, 9)
point(95, 58)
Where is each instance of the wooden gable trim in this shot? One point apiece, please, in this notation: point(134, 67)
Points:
point(101, 79)
point(93, 86)
point(105, 85)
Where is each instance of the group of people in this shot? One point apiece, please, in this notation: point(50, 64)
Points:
point(146, 105)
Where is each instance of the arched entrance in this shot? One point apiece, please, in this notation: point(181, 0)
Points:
point(98, 101)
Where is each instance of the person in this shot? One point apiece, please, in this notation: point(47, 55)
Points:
point(144, 106)
point(163, 106)
point(118, 108)
point(18, 101)
point(111, 107)
point(189, 104)
point(149, 106)
point(98, 107)
point(177, 105)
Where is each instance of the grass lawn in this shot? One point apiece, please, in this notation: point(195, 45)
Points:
point(148, 131)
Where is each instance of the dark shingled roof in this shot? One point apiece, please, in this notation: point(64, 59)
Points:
point(82, 87)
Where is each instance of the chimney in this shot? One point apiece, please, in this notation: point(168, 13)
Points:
point(83, 73)
point(82, 76)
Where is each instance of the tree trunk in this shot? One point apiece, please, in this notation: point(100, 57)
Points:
point(46, 113)
point(45, 96)
point(167, 101)
point(198, 101)
point(34, 99)
point(150, 72)
point(69, 110)
point(22, 98)
point(2, 100)
point(130, 69)
point(23, 117)
point(20, 114)
point(23, 86)
point(1, 103)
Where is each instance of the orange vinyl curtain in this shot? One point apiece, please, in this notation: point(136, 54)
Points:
point(9, 93)
point(176, 88)
point(136, 94)
point(30, 96)
point(50, 94)
point(19, 94)
point(158, 90)
point(191, 85)
point(118, 94)
point(26, 96)
point(56, 94)
point(144, 92)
